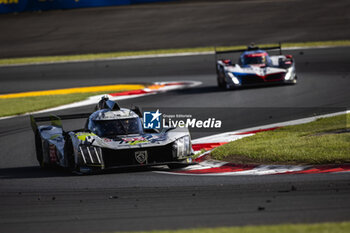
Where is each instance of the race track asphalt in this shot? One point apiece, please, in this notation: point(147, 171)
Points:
point(36, 200)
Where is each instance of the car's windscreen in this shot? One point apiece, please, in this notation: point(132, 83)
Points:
point(110, 128)
point(254, 60)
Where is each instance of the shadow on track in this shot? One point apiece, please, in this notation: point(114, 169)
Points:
point(216, 89)
point(37, 172)
point(31, 172)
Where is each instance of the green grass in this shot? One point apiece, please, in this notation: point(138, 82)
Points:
point(16, 106)
point(101, 56)
point(342, 227)
point(300, 144)
point(198, 154)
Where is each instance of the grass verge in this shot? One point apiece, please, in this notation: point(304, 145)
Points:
point(341, 227)
point(324, 141)
point(16, 106)
point(102, 56)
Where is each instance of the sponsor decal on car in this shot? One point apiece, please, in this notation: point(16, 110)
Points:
point(52, 152)
point(83, 136)
point(107, 140)
point(156, 138)
point(135, 140)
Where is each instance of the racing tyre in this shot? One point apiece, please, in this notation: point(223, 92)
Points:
point(69, 155)
point(295, 80)
point(292, 82)
point(39, 149)
point(177, 165)
point(221, 82)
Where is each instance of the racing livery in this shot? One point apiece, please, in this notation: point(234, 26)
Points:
point(255, 67)
point(112, 137)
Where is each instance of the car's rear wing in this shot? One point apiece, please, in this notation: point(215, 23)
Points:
point(249, 48)
point(104, 103)
point(55, 120)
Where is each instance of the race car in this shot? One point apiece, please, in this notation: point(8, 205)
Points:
point(112, 137)
point(255, 67)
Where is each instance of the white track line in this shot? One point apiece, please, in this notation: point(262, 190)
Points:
point(94, 99)
point(232, 136)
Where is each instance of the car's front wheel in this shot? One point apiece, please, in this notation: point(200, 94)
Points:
point(295, 80)
point(221, 81)
point(228, 87)
point(39, 150)
point(69, 155)
point(177, 165)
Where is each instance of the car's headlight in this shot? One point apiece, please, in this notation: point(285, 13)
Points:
point(182, 147)
point(234, 79)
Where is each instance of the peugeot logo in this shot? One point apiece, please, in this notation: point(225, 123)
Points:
point(141, 157)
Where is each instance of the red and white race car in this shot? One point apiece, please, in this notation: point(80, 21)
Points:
point(255, 67)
